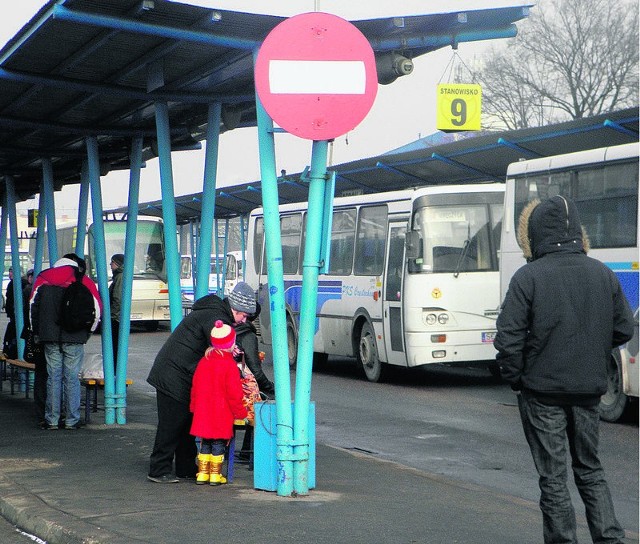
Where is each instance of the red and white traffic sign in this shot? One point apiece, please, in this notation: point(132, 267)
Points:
point(316, 76)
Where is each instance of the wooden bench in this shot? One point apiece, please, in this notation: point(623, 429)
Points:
point(92, 386)
point(14, 366)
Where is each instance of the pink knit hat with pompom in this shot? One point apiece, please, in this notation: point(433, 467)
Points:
point(222, 335)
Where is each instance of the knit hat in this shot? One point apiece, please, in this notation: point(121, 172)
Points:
point(118, 258)
point(243, 298)
point(222, 335)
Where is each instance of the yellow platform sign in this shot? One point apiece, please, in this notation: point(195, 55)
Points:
point(459, 107)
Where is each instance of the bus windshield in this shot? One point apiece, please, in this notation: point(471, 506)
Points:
point(454, 239)
point(149, 258)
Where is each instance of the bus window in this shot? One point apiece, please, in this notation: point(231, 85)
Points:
point(258, 246)
point(290, 228)
point(342, 240)
point(372, 228)
point(455, 238)
point(185, 267)
point(394, 265)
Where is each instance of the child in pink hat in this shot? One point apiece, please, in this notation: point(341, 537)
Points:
point(216, 400)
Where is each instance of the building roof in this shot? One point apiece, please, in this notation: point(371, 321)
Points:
point(96, 68)
point(479, 158)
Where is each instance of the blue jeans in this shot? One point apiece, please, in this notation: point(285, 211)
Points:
point(548, 429)
point(63, 365)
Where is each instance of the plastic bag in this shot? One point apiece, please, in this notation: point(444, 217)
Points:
point(92, 367)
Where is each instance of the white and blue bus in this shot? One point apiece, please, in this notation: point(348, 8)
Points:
point(413, 277)
point(604, 185)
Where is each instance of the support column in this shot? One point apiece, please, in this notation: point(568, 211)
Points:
point(101, 272)
point(18, 317)
point(273, 240)
point(207, 214)
point(169, 213)
point(127, 282)
point(308, 307)
point(50, 208)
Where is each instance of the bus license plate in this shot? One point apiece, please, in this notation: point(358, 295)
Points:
point(488, 337)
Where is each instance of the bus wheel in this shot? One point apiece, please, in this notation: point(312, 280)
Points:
point(614, 402)
point(368, 354)
point(151, 326)
point(292, 344)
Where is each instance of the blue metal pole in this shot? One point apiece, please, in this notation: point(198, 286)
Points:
point(207, 214)
point(308, 307)
point(83, 205)
point(127, 282)
point(37, 265)
point(101, 270)
point(284, 432)
point(15, 263)
point(50, 207)
point(169, 213)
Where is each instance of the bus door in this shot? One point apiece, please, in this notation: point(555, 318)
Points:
point(392, 295)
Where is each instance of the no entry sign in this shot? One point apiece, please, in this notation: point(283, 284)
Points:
point(316, 76)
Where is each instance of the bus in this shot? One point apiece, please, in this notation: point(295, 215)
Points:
point(187, 271)
point(150, 293)
point(412, 280)
point(604, 185)
point(233, 270)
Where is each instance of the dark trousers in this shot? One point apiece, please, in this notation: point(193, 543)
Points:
point(548, 430)
point(40, 388)
point(173, 439)
point(115, 331)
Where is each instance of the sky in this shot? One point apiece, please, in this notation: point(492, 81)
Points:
point(403, 112)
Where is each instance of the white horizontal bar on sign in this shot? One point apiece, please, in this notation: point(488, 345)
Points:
point(317, 77)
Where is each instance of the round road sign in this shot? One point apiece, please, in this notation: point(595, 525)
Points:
point(316, 76)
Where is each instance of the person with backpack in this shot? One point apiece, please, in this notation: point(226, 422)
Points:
point(65, 309)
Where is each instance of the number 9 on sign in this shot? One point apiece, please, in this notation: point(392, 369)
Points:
point(458, 107)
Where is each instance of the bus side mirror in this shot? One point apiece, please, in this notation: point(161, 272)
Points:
point(412, 245)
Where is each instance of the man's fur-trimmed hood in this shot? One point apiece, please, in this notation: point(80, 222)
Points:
point(551, 226)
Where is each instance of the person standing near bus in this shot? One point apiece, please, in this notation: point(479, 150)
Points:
point(63, 346)
point(115, 301)
point(562, 315)
point(172, 375)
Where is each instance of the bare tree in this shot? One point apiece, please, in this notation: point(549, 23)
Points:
point(571, 59)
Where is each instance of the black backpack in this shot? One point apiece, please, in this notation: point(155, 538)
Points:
point(77, 310)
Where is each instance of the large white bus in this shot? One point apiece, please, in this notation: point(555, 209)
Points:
point(150, 293)
point(604, 185)
point(434, 302)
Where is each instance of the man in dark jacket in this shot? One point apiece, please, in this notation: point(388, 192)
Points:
point(63, 350)
point(115, 300)
point(563, 314)
point(172, 373)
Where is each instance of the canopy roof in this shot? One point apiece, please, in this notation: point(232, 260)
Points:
point(83, 68)
point(472, 159)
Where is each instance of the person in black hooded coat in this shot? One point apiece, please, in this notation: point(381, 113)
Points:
point(562, 315)
point(172, 375)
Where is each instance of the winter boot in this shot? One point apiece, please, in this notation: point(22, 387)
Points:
point(204, 467)
point(215, 471)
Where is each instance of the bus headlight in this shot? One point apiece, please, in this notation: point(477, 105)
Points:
point(431, 319)
point(443, 319)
